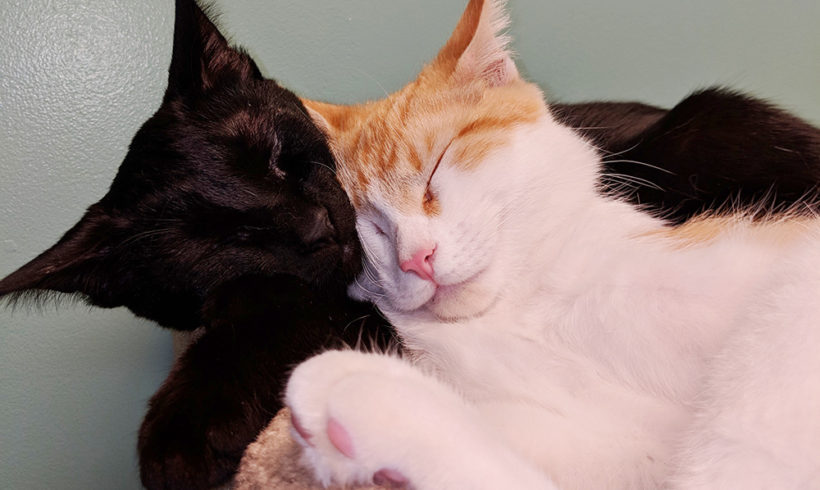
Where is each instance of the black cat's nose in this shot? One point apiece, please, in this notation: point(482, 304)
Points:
point(319, 230)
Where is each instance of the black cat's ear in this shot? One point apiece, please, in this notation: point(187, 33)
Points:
point(72, 265)
point(202, 57)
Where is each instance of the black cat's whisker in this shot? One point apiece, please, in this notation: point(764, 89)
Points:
point(324, 165)
point(617, 181)
point(636, 162)
point(623, 178)
point(610, 154)
point(623, 190)
point(351, 322)
point(145, 234)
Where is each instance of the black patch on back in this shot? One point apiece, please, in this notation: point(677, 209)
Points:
point(608, 125)
point(717, 151)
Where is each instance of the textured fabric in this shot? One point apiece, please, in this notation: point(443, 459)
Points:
point(272, 461)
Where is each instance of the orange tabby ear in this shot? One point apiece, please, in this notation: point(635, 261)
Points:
point(331, 118)
point(477, 50)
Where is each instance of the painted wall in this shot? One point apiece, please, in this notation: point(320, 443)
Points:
point(77, 78)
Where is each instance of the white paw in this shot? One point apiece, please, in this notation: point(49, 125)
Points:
point(367, 418)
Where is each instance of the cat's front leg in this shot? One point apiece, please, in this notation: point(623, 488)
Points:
point(211, 406)
point(227, 386)
point(365, 418)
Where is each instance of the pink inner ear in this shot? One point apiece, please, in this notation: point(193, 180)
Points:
point(499, 72)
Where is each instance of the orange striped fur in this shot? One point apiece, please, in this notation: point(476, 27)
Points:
point(465, 101)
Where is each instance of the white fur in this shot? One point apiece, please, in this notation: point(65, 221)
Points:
point(570, 344)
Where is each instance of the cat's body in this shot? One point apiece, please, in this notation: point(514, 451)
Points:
point(558, 334)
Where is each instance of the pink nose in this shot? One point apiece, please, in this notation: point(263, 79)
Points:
point(421, 263)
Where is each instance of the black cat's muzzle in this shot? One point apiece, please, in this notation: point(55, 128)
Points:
point(319, 231)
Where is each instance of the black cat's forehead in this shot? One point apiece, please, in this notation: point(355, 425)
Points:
point(257, 109)
point(262, 98)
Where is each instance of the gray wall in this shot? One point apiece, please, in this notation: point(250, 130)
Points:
point(77, 78)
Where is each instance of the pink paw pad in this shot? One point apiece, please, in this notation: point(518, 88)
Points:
point(389, 478)
point(339, 437)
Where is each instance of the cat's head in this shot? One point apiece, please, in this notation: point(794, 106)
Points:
point(431, 171)
point(229, 178)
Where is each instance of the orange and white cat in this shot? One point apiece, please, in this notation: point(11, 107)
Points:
point(556, 337)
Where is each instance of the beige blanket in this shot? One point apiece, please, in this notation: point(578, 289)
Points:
point(273, 461)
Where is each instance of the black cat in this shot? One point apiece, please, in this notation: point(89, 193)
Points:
point(226, 214)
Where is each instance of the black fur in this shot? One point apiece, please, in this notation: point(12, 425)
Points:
point(715, 152)
point(608, 125)
point(225, 214)
point(228, 384)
